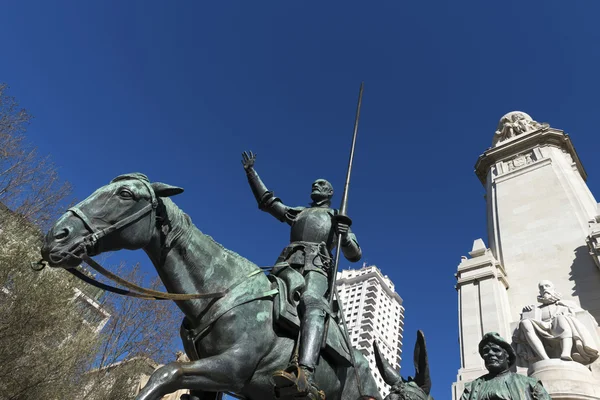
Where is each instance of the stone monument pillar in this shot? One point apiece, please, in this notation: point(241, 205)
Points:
point(542, 224)
point(483, 307)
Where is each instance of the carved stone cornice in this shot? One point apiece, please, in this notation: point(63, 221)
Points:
point(545, 136)
point(480, 267)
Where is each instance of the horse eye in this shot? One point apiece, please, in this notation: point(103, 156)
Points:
point(126, 194)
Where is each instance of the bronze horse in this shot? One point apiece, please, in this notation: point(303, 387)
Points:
point(238, 345)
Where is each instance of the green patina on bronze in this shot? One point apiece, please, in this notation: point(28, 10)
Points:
point(313, 236)
point(500, 383)
point(413, 388)
point(235, 342)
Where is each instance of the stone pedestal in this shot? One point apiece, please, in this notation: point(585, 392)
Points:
point(566, 380)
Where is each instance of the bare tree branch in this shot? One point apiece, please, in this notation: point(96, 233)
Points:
point(29, 184)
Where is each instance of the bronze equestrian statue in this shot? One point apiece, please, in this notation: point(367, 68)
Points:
point(312, 239)
point(233, 338)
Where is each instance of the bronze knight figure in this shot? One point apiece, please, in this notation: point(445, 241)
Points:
point(313, 236)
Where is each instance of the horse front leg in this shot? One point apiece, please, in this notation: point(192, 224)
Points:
point(223, 373)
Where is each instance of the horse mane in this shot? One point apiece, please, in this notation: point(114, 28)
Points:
point(180, 224)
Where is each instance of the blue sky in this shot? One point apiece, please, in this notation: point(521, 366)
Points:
point(177, 90)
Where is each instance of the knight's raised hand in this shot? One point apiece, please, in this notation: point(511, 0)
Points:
point(248, 159)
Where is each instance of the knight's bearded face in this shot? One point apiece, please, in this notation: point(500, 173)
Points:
point(321, 190)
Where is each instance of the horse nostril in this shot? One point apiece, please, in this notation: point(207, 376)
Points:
point(62, 234)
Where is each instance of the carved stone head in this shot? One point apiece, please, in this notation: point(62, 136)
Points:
point(548, 293)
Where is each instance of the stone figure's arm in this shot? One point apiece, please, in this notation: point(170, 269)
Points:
point(264, 197)
point(571, 306)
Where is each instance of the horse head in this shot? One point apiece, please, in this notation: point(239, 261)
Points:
point(120, 215)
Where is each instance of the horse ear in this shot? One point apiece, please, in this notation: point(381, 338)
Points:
point(388, 373)
point(164, 190)
point(421, 361)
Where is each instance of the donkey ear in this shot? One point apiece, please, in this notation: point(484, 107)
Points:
point(164, 190)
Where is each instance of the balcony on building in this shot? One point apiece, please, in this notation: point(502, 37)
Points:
point(366, 325)
point(370, 306)
point(365, 342)
point(368, 314)
point(366, 335)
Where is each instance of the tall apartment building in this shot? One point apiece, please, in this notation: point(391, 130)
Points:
point(373, 311)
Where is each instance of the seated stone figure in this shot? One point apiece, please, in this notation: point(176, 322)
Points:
point(500, 383)
point(552, 330)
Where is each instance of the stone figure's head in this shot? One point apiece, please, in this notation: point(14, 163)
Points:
point(497, 353)
point(322, 192)
point(548, 293)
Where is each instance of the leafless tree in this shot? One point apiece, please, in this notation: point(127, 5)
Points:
point(145, 331)
point(43, 340)
point(29, 183)
point(52, 346)
point(53, 329)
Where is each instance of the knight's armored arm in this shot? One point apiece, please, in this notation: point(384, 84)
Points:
point(350, 247)
point(265, 198)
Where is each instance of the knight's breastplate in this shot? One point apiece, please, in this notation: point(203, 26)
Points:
point(313, 225)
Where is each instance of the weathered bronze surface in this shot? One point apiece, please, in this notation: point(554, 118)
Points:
point(413, 388)
point(233, 341)
point(313, 236)
point(500, 383)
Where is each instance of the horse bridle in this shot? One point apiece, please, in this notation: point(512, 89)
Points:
point(91, 240)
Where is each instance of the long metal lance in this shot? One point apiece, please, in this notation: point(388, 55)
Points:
point(343, 217)
point(343, 212)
